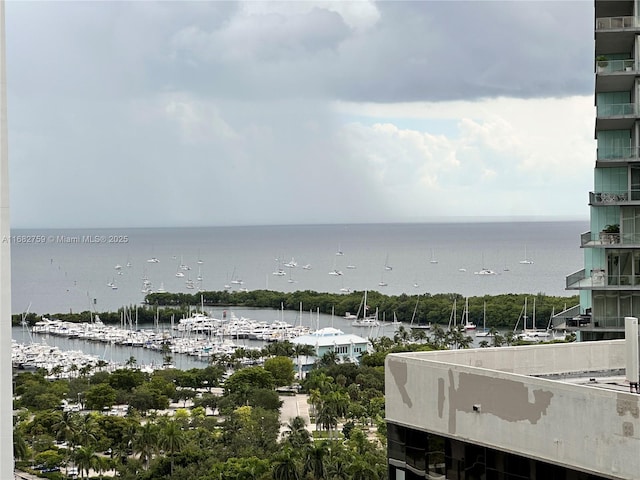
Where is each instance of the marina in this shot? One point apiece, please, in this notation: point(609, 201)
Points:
point(191, 342)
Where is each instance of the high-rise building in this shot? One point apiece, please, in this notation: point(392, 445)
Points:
point(609, 284)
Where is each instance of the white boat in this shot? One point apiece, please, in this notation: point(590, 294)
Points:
point(413, 324)
point(532, 334)
point(153, 260)
point(484, 332)
point(335, 272)
point(467, 324)
point(527, 260)
point(291, 263)
point(386, 264)
point(433, 258)
point(370, 321)
point(234, 279)
point(485, 271)
point(366, 320)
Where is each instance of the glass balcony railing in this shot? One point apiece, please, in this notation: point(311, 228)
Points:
point(615, 66)
point(617, 153)
point(616, 23)
point(616, 110)
point(614, 197)
point(598, 239)
point(598, 278)
point(580, 279)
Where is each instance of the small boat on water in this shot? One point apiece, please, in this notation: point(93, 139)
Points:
point(467, 324)
point(417, 325)
point(485, 271)
point(366, 320)
point(484, 332)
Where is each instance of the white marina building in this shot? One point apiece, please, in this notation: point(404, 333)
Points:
point(347, 346)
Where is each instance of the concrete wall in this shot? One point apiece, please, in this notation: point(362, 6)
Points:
point(452, 393)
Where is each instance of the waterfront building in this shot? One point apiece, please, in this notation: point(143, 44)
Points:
point(609, 283)
point(549, 411)
point(348, 347)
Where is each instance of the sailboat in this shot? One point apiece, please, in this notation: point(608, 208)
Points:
point(366, 320)
point(532, 334)
point(527, 260)
point(467, 325)
point(484, 332)
point(386, 264)
point(433, 258)
point(420, 326)
point(382, 283)
point(484, 270)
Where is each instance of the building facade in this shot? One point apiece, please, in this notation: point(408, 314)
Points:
point(548, 412)
point(609, 284)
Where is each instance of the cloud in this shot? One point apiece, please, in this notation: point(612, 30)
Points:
point(217, 113)
point(506, 156)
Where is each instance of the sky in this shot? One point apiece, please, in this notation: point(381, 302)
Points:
point(141, 114)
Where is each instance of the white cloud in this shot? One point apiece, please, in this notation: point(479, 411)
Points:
point(501, 151)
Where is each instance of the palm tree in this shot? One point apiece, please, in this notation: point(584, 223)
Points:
point(145, 443)
point(86, 430)
point(297, 433)
point(327, 418)
point(66, 429)
point(418, 335)
point(361, 470)
point(401, 336)
point(285, 466)
point(439, 337)
point(86, 458)
point(172, 439)
point(328, 359)
point(314, 460)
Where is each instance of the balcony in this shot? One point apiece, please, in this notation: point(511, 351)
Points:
point(599, 280)
point(615, 75)
point(631, 197)
point(615, 66)
point(617, 23)
point(616, 110)
point(580, 281)
point(616, 155)
point(600, 239)
point(616, 116)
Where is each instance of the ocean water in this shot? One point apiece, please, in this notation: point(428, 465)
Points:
point(56, 271)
